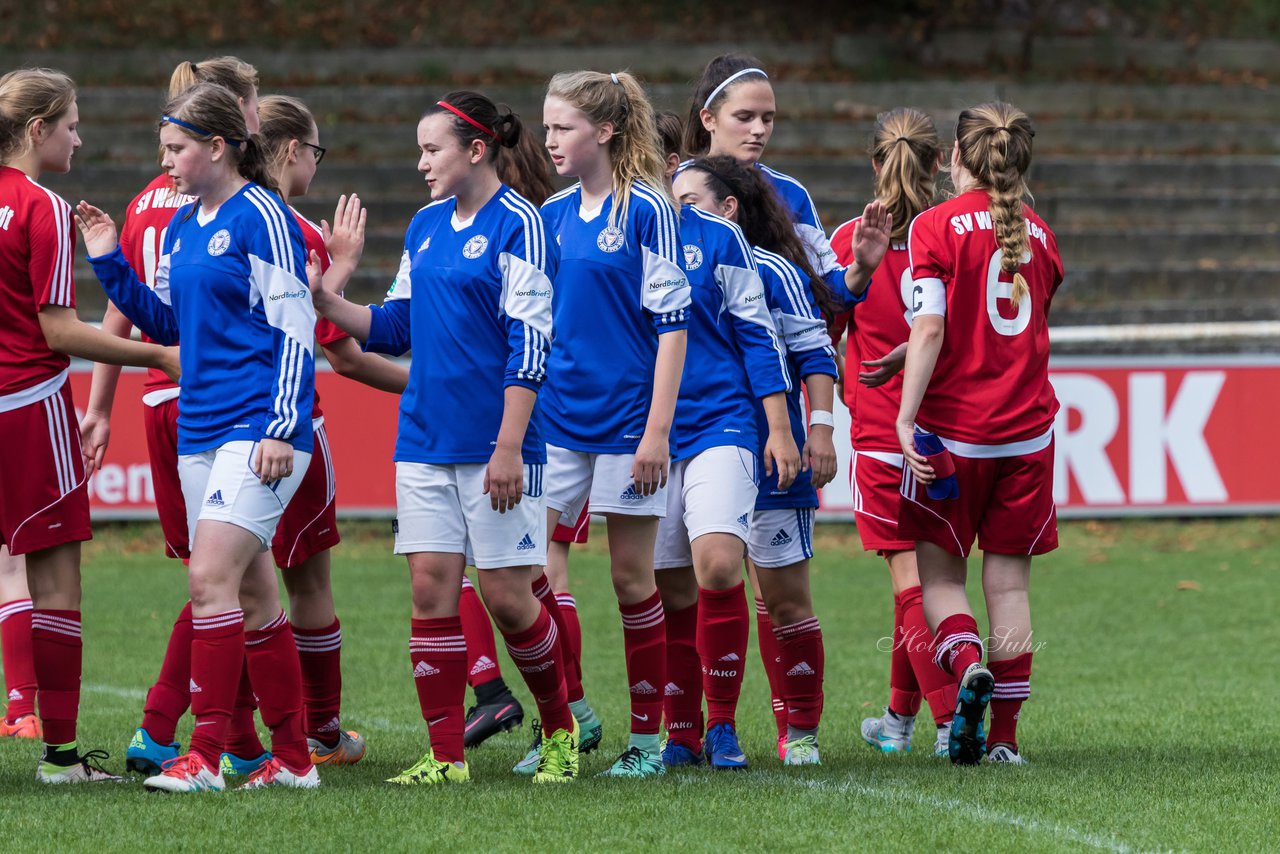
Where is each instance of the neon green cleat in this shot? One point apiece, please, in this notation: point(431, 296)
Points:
point(430, 771)
point(802, 751)
point(635, 762)
point(559, 756)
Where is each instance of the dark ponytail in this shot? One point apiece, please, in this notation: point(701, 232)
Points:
point(521, 163)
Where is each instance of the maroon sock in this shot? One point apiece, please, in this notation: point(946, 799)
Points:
point(19, 669)
point(770, 657)
point(1013, 685)
point(438, 653)
point(644, 638)
point(723, 626)
point(938, 688)
point(958, 644)
point(682, 700)
point(242, 734)
point(169, 699)
point(572, 636)
point(569, 657)
point(802, 664)
point(537, 653)
point(904, 688)
point(56, 653)
point(320, 657)
point(482, 649)
point(217, 662)
point(276, 676)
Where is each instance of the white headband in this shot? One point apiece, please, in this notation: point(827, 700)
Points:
point(732, 77)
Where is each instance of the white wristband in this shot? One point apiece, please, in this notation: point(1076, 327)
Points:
point(820, 416)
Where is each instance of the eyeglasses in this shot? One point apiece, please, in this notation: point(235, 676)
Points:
point(316, 150)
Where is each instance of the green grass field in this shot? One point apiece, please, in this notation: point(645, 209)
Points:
point(1152, 725)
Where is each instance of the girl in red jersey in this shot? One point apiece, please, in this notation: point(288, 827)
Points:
point(146, 222)
point(906, 156)
point(44, 505)
point(19, 720)
point(984, 270)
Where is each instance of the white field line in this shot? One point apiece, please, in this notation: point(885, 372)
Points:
point(114, 691)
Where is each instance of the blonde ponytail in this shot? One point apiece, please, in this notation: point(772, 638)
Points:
point(905, 146)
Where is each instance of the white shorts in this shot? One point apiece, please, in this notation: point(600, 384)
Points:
point(711, 493)
point(781, 537)
point(220, 485)
point(443, 508)
point(576, 477)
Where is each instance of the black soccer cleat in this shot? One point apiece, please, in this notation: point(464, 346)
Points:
point(485, 720)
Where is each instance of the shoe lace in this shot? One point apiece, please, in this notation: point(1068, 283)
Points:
point(632, 759)
point(555, 753)
point(804, 746)
point(91, 760)
point(265, 773)
point(178, 766)
point(537, 734)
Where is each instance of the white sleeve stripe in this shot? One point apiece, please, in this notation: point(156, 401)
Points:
point(277, 227)
point(279, 404)
point(668, 229)
point(791, 283)
point(272, 235)
point(60, 288)
point(286, 406)
point(535, 241)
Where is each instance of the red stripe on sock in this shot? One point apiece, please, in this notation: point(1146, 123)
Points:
point(56, 652)
point(19, 667)
point(320, 658)
point(217, 662)
point(770, 658)
point(682, 700)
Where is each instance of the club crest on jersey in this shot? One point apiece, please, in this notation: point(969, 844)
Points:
point(611, 239)
point(475, 247)
point(220, 242)
point(692, 256)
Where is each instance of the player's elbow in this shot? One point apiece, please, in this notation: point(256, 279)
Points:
point(56, 325)
point(928, 329)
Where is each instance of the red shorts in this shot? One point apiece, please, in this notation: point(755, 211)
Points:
point(161, 424)
point(310, 521)
point(44, 500)
point(1006, 502)
point(578, 533)
point(877, 485)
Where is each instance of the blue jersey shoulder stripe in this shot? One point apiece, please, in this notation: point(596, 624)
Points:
point(563, 194)
point(277, 228)
point(534, 238)
point(669, 227)
point(789, 275)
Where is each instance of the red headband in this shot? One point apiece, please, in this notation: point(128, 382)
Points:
point(475, 124)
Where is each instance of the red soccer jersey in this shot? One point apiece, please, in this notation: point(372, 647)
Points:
point(991, 383)
point(326, 332)
point(145, 223)
point(37, 246)
point(879, 323)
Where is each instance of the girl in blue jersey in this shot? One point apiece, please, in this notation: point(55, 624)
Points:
point(229, 285)
point(734, 361)
point(780, 542)
point(472, 300)
point(621, 313)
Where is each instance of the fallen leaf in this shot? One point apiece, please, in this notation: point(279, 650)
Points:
point(1188, 585)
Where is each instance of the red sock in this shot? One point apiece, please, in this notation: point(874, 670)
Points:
point(801, 667)
point(276, 676)
point(769, 656)
point(320, 657)
point(169, 698)
point(568, 655)
point(482, 649)
point(56, 653)
point(1013, 685)
point(938, 688)
point(723, 626)
point(438, 653)
point(571, 634)
point(644, 637)
point(904, 688)
point(19, 669)
point(217, 663)
point(242, 734)
point(682, 703)
point(958, 644)
point(537, 654)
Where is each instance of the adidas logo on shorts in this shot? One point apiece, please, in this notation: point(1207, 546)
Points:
point(742, 520)
point(526, 543)
point(781, 538)
point(632, 494)
point(673, 690)
point(15, 694)
point(194, 688)
point(483, 663)
point(801, 669)
point(214, 500)
point(424, 669)
point(643, 687)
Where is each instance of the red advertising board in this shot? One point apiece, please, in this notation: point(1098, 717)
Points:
point(1134, 437)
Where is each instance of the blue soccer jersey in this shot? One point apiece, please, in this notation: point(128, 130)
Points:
point(231, 284)
point(734, 355)
point(472, 300)
point(620, 285)
point(809, 351)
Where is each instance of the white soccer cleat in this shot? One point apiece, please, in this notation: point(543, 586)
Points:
point(889, 733)
point(942, 747)
point(81, 771)
point(802, 751)
point(186, 774)
point(274, 774)
point(1002, 754)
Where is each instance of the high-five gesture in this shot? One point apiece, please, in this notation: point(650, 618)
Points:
point(345, 238)
point(97, 228)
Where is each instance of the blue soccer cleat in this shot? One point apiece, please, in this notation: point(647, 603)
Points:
point(722, 749)
point(968, 741)
point(676, 755)
point(146, 756)
point(234, 766)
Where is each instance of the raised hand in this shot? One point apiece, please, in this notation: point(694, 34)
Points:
point(97, 228)
point(871, 236)
point(345, 238)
